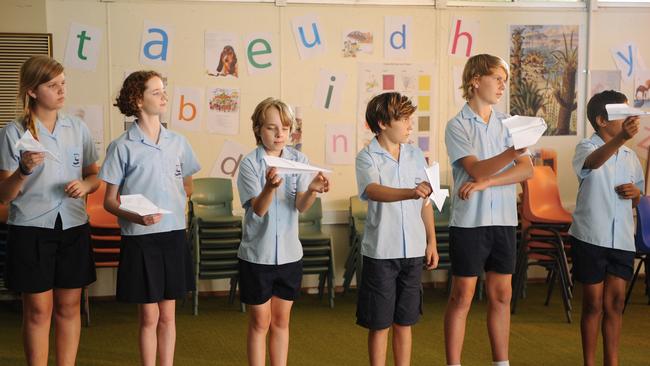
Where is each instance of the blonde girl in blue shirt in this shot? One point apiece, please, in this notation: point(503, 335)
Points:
point(270, 254)
point(155, 265)
point(49, 257)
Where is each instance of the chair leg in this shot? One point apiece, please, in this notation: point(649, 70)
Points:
point(321, 285)
point(330, 284)
point(551, 284)
point(629, 290)
point(233, 290)
point(565, 291)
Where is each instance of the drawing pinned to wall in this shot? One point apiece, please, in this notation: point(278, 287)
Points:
point(93, 116)
point(642, 89)
point(296, 131)
point(601, 80)
point(223, 111)
point(413, 80)
point(543, 80)
point(357, 41)
point(221, 51)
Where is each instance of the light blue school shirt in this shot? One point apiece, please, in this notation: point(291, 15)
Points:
point(42, 197)
point(601, 217)
point(467, 134)
point(393, 229)
point(139, 166)
point(272, 238)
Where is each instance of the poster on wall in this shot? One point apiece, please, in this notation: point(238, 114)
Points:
point(223, 111)
point(544, 75)
point(601, 80)
point(356, 41)
point(221, 51)
point(642, 89)
point(413, 80)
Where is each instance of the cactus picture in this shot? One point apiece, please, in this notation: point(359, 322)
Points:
point(543, 80)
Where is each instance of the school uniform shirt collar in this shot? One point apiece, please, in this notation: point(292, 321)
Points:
point(61, 121)
point(136, 134)
point(469, 114)
point(375, 148)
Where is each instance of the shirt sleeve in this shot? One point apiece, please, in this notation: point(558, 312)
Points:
point(114, 166)
point(639, 179)
point(457, 142)
point(583, 150)
point(249, 184)
point(367, 172)
point(189, 163)
point(89, 150)
point(9, 156)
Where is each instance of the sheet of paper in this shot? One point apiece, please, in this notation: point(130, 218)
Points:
point(622, 111)
point(284, 166)
point(525, 131)
point(28, 143)
point(439, 195)
point(140, 205)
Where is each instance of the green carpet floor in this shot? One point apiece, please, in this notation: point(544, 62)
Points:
point(324, 336)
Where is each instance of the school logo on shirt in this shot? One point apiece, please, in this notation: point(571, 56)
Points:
point(76, 160)
point(74, 156)
point(178, 173)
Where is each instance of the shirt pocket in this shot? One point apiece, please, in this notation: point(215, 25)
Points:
point(73, 157)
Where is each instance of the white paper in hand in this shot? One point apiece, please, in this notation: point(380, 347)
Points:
point(28, 143)
point(438, 195)
point(525, 131)
point(285, 166)
point(622, 111)
point(140, 205)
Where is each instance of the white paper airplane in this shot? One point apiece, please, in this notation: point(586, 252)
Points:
point(622, 111)
point(28, 143)
point(140, 205)
point(285, 166)
point(525, 131)
point(438, 195)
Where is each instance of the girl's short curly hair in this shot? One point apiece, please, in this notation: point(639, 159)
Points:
point(133, 91)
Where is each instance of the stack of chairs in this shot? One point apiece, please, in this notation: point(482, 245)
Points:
point(358, 211)
point(215, 234)
point(318, 257)
point(642, 241)
point(105, 238)
point(545, 224)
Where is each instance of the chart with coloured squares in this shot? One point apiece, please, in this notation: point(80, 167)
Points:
point(413, 80)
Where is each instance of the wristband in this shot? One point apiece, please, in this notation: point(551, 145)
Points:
point(24, 171)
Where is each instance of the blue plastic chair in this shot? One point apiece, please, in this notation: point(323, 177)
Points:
point(642, 243)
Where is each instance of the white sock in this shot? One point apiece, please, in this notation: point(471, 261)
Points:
point(501, 363)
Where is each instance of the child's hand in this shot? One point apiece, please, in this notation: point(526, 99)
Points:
point(470, 187)
point(76, 189)
point(630, 127)
point(319, 184)
point(422, 190)
point(30, 160)
point(273, 180)
point(628, 191)
point(431, 256)
point(149, 219)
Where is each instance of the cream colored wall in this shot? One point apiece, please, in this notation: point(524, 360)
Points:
point(23, 16)
point(295, 79)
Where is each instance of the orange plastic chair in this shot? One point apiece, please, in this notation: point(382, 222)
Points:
point(105, 237)
point(549, 158)
point(545, 225)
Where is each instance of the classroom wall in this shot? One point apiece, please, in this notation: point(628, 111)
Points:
point(295, 79)
point(23, 16)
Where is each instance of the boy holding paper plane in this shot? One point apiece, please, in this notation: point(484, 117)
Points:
point(483, 222)
point(400, 233)
point(155, 264)
point(275, 184)
point(602, 232)
point(49, 254)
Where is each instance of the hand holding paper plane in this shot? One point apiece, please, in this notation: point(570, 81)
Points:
point(525, 131)
point(28, 143)
point(438, 196)
point(622, 111)
point(140, 205)
point(285, 166)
